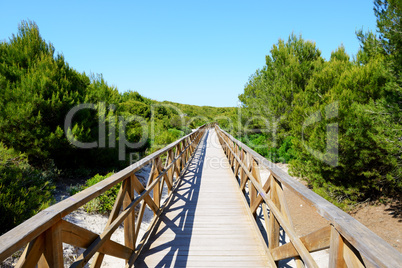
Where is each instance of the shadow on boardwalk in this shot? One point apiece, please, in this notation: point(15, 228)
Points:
point(175, 226)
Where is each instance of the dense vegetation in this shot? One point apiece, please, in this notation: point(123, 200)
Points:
point(337, 121)
point(38, 88)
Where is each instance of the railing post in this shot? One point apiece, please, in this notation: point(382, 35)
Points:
point(273, 237)
point(32, 253)
point(253, 191)
point(156, 191)
point(336, 250)
point(53, 251)
point(169, 160)
point(129, 222)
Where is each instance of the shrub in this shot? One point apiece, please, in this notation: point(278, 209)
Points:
point(24, 191)
point(103, 204)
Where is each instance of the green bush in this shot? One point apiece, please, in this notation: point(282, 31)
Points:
point(103, 204)
point(262, 145)
point(24, 191)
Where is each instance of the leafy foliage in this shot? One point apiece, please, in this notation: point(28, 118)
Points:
point(24, 191)
point(297, 83)
point(103, 204)
point(38, 88)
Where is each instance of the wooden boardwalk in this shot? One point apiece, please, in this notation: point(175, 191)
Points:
point(207, 222)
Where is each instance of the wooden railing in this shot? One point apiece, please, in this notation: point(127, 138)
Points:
point(350, 243)
point(44, 233)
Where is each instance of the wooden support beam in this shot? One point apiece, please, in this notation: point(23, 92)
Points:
point(53, 253)
point(252, 190)
point(32, 253)
point(139, 188)
point(317, 240)
point(273, 230)
point(80, 237)
point(259, 200)
point(105, 236)
point(336, 250)
point(352, 256)
point(98, 258)
point(129, 222)
point(286, 213)
point(301, 249)
point(157, 192)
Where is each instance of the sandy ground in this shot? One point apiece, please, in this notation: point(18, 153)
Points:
point(384, 220)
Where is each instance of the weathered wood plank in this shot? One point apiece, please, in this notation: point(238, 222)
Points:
point(205, 217)
point(83, 238)
point(314, 241)
point(336, 250)
point(33, 251)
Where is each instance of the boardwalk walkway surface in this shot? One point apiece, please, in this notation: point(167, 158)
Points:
point(206, 223)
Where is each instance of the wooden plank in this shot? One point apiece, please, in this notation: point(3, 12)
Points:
point(98, 258)
point(129, 222)
point(206, 216)
point(351, 257)
point(336, 250)
point(314, 241)
point(259, 200)
point(33, 251)
point(80, 237)
point(53, 253)
point(105, 236)
point(139, 188)
point(286, 213)
point(273, 230)
point(301, 249)
point(160, 211)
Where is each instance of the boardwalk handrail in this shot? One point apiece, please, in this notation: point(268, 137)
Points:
point(44, 233)
point(350, 243)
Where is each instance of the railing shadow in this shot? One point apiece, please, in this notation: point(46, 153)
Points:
point(170, 240)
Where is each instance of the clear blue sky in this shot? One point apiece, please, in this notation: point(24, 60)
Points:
point(193, 52)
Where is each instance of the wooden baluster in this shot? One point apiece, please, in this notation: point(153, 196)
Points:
point(143, 203)
point(32, 253)
point(236, 168)
point(336, 250)
point(242, 172)
point(98, 257)
point(183, 160)
point(53, 249)
point(233, 157)
point(176, 164)
point(129, 222)
point(245, 179)
point(186, 157)
point(286, 214)
point(253, 191)
point(193, 145)
point(351, 256)
point(169, 160)
point(273, 237)
point(265, 207)
point(156, 191)
point(179, 160)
